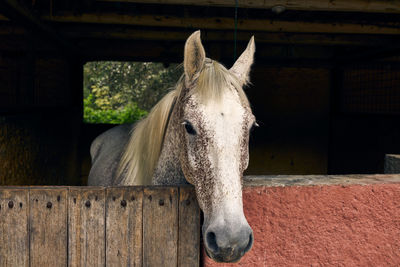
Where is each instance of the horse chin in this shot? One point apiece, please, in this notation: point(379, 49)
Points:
point(219, 257)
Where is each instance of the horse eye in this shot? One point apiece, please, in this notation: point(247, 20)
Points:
point(189, 128)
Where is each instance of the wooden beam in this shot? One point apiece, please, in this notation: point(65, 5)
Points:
point(138, 50)
point(221, 23)
point(14, 11)
point(388, 53)
point(124, 33)
point(74, 31)
point(371, 6)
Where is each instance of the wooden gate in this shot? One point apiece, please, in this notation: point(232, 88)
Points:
point(97, 226)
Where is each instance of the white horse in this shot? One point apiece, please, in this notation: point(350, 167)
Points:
point(198, 133)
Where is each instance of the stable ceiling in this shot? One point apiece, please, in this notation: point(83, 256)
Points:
point(306, 31)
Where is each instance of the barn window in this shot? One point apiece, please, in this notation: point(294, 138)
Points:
point(123, 92)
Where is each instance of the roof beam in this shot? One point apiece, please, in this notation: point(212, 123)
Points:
point(18, 13)
point(223, 23)
point(74, 32)
point(172, 52)
point(79, 31)
point(370, 6)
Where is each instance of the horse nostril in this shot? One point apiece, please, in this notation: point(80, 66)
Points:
point(250, 244)
point(212, 241)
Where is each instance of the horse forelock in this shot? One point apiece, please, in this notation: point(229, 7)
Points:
point(212, 82)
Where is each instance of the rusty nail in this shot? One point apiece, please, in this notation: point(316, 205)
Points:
point(123, 203)
point(187, 202)
point(161, 202)
point(10, 204)
point(87, 204)
point(49, 205)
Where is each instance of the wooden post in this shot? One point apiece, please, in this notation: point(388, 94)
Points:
point(86, 226)
point(14, 242)
point(160, 226)
point(392, 163)
point(124, 226)
point(189, 228)
point(48, 227)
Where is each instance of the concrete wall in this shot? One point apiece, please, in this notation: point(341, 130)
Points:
point(321, 221)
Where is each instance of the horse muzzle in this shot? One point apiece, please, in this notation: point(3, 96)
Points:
point(225, 244)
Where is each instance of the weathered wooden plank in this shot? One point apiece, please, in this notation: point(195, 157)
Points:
point(392, 163)
point(48, 227)
point(376, 6)
point(124, 226)
point(14, 239)
point(86, 227)
point(160, 226)
point(120, 32)
point(189, 228)
point(225, 23)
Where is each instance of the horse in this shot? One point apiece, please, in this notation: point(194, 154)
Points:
point(198, 133)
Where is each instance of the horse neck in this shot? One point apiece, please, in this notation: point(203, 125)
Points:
point(168, 170)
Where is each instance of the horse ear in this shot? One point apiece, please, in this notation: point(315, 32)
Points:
point(241, 68)
point(194, 56)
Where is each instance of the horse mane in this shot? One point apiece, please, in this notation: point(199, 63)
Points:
point(143, 149)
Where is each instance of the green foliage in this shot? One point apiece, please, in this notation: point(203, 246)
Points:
point(123, 92)
point(128, 114)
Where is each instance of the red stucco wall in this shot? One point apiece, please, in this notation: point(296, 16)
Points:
point(354, 225)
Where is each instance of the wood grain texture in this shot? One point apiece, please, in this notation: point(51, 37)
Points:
point(124, 226)
point(86, 227)
point(14, 242)
point(379, 6)
point(95, 226)
point(48, 227)
point(120, 32)
point(189, 228)
point(160, 226)
point(227, 23)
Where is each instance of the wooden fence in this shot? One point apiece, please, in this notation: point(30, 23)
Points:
point(96, 226)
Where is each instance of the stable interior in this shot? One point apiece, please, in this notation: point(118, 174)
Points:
point(325, 83)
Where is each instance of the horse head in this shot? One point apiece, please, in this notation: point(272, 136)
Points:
point(215, 123)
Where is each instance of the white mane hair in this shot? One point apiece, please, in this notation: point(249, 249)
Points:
point(141, 154)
